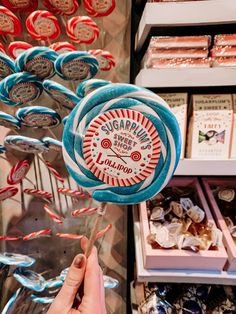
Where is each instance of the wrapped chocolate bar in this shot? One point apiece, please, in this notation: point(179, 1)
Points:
point(225, 51)
point(225, 40)
point(180, 41)
point(179, 63)
point(224, 61)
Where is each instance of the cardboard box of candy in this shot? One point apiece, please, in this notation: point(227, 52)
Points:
point(188, 252)
point(222, 200)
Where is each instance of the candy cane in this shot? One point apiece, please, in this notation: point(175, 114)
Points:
point(69, 236)
point(84, 211)
point(57, 219)
point(38, 234)
point(103, 231)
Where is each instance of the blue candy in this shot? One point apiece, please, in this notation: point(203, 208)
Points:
point(42, 300)
point(25, 144)
point(29, 279)
point(53, 283)
point(76, 66)
point(52, 143)
point(38, 117)
point(20, 88)
point(89, 86)
point(38, 61)
point(7, 66)
point(61, 94)
point(149, 126)
point(64, 120)
point(2, 149)
point(9, 121)
point(16, 259)
point(11, 303)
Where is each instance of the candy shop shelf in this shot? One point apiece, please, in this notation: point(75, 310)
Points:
point(190, 13)
point(184, 276)
point(188, 167)
point(153, 78)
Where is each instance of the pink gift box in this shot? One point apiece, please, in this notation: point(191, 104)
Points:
point(227, 238)
point(175, 258)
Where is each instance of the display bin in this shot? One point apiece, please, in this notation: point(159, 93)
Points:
point(175, 258)
point(227, 238)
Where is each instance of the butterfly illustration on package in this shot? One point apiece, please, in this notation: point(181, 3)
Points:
point(211, 137)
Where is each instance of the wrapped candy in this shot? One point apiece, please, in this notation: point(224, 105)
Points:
point(7, 65)
point(18, 47)
point(105, 59)
point(9, 23)
point(25, 144)
point(61, 7)
point(99, 8)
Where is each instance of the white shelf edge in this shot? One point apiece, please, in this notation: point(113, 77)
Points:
point(180, 276)
point(186, 77)
point(184, 13)
point(191, 167)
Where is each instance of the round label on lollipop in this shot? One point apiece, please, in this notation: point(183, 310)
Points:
point(9, 22)
point(121, 147)
point(34, 120)
point(41, 67)
point(23, 92)
point(75, 69)
point(62, 7)
point(63, 99)
point(5, 70)
point(45, 26)
point(21, 5)
point(8, 192)
point(6, 23)
point(99, 7)
point(18, 172)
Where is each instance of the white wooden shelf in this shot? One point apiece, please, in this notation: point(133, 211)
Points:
point(184, 77)
point(188, 167)
point(184, 13)
point(180, 276)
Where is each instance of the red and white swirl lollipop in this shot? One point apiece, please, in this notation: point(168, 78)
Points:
point(99, 8)
point(9, 23)
point(2, 48)
point(17, 47)
point(19, 172)
point(82, 30)
point(7, 192)
point(105, 59)
point(23, 6)
point(62, 47)
point(62, 7)
point(43, 25)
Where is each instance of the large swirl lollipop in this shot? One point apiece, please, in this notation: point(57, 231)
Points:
point(7, 65)
point(21, 6)
point(43, 25)
point(9, 121)
point(20, 88)
point(38, 61)
point(82, 30)
point(89, 86)
point(38, 117)
point(62, 7)
point(76, 66)
point(9, 23)
point(64, 96)
point(121, 144)
point(17, 47)
point(99, 8)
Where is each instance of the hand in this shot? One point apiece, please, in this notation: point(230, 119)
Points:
point(81, 269)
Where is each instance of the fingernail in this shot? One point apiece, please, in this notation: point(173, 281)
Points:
point(79, 261)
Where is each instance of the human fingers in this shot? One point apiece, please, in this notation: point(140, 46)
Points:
point(65, 298)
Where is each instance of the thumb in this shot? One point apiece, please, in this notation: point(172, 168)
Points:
point(74, 278)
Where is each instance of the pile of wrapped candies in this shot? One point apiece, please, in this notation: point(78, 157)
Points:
point(34, 287)
point(186, 298)
point(225, 198)
point(176, 221)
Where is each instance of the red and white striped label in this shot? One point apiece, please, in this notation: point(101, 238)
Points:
point(121, 147)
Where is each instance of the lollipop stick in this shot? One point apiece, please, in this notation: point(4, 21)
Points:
point(27, 179)
point(95, 230)
point(52, 134)
point(4, 158)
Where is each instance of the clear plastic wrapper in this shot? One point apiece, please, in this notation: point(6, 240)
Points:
point(227, 51)
point(225, 40)
point(156, 53)
point(180, 63)
point(180, 41)
point(224, 62)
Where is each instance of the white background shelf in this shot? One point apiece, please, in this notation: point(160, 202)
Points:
point(186, 77)
point(179, 276)
point(184, 13)
point(188, 167)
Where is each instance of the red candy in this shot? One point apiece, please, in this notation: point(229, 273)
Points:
point(62, 47)
point(2, 48)
point(69, 192)
point(17, 47)
point(99, 8)
point(9, 23)
point(84, 211)
point(43, 25)
point(18, 172)
point(82, 30)
point(54, 172)
point(9, 238)
point(37, 234)
point(105, 59)
point(8, 192)
point(103, 231)
point(62, 7)
point(52, 214)
point(21, 5)
point(38, 193)
point(69, 236)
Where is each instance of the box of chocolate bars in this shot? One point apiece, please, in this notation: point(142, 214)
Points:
point(178, 103)
point(177, 229)
point(221, 195)
point(233, 146)
point(210, 127)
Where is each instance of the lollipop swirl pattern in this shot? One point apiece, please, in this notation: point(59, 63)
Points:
point(158, 118)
